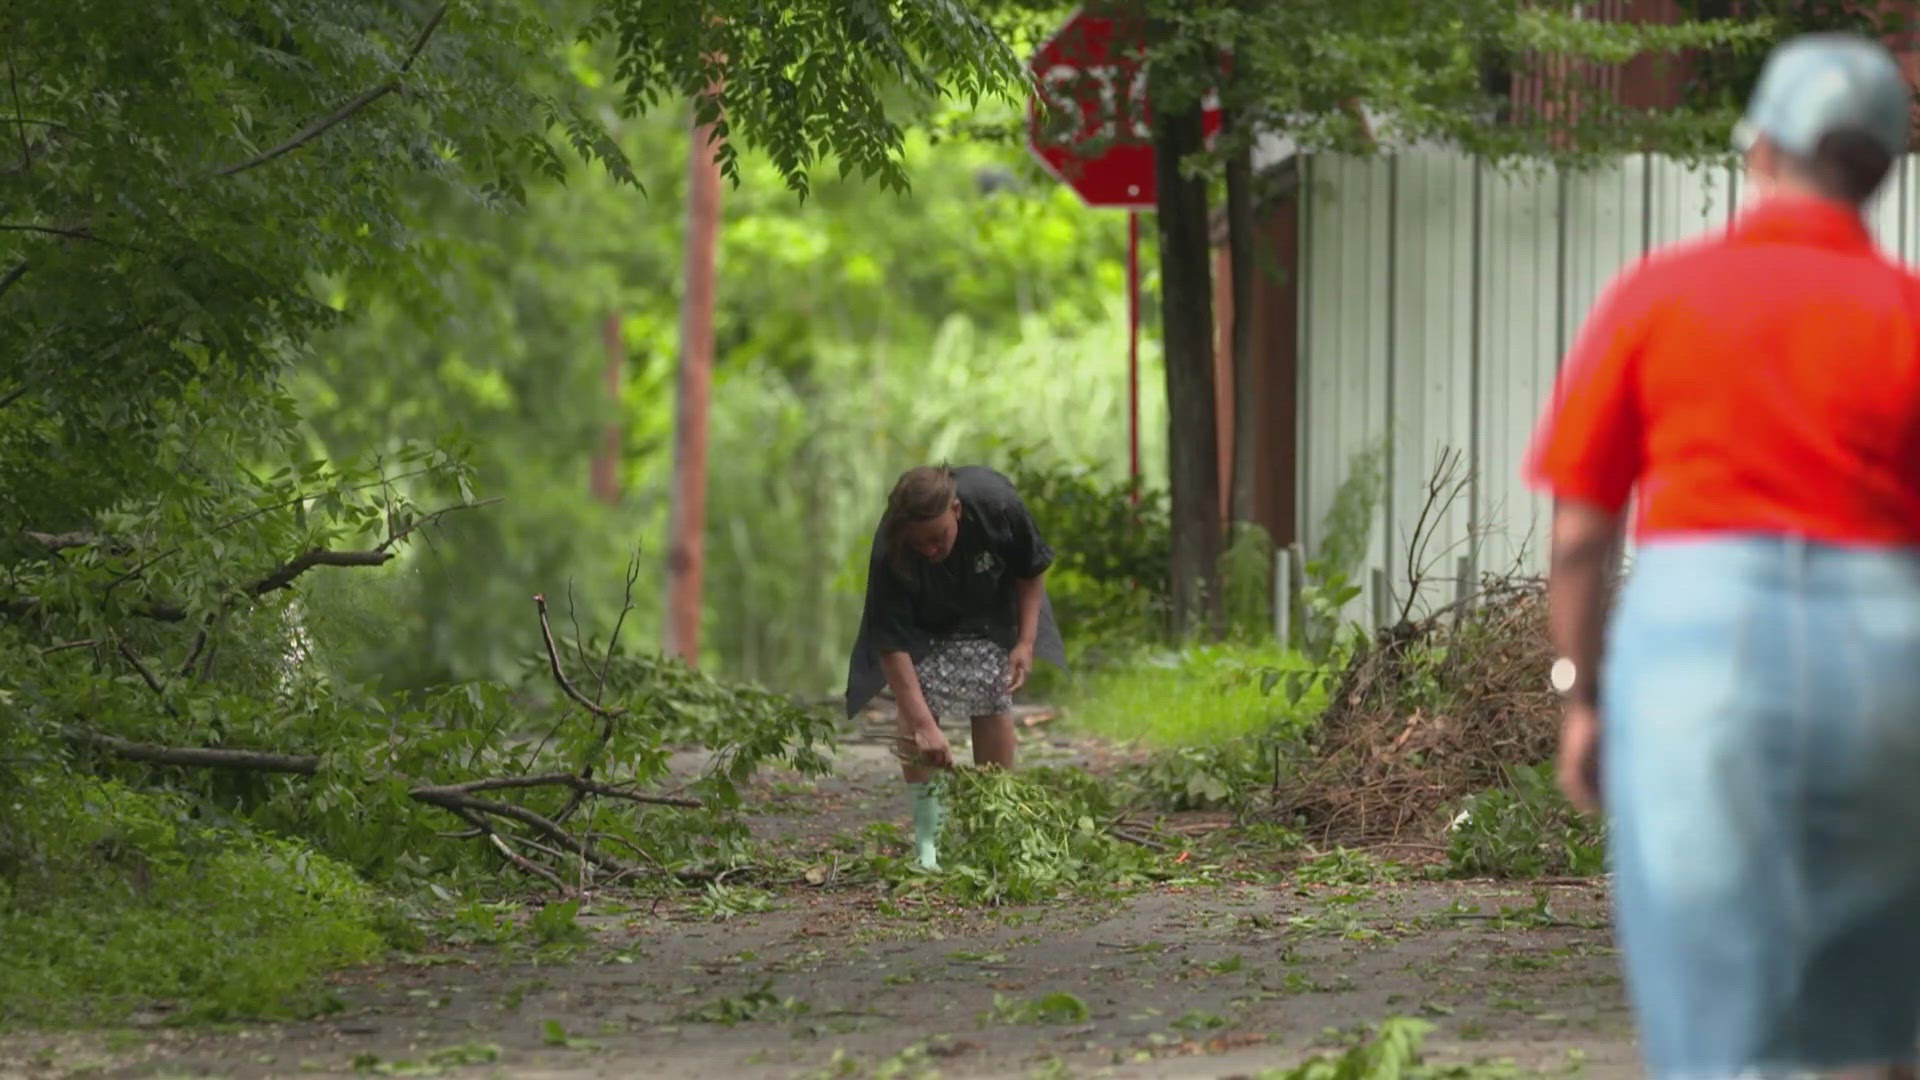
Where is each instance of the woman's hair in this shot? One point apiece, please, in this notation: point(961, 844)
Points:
point(921, 494)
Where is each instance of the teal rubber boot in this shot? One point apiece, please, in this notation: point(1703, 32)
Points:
point(927, 815)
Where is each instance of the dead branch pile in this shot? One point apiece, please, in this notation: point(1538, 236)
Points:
point(1429, 713)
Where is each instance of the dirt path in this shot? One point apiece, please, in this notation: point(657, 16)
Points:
point(833, 982)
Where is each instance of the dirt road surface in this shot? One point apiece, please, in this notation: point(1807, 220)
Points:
point(1174, 982)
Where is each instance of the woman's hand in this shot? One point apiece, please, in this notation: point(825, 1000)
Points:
point(930, 745)
point(1579, 766)
point(1019, 665)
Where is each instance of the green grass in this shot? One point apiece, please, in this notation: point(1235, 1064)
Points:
point(1197, 697)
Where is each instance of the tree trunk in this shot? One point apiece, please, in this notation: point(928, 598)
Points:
point(1186, 306)
point(1241, 269)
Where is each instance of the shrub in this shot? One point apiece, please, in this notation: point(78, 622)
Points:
point(121, 897)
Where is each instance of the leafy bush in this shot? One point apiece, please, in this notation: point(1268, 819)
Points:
point(1108, 582)
point(1525, 829)
point(112, 897)
point(1029, 836)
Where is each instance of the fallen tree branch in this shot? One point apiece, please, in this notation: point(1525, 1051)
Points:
point(450, 800)
point(519, 861)
point(63, 541)
point(14, 275)
point(578, 783)
point(66, 232)
point(559, 674)
point(344, 112)
point(203, 757)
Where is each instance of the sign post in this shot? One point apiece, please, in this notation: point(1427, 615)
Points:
point(1096, 137)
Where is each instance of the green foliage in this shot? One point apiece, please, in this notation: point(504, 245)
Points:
point(1345, 867)
point(1216, 716)
point(1032, 835)
point(1393, 1053)
point(760, 1003)
point(806, 78)
point(1322, 629)
point(1421, 69)
point(1525, 829)
point(1109, 578)
point(1246, 582)
point(112, 897)
point(1058, 1007)
point(854, 337)
point(1201, 695)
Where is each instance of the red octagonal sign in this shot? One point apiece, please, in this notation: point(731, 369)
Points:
point(1099, 140)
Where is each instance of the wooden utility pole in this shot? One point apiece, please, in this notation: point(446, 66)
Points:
point(687, 520)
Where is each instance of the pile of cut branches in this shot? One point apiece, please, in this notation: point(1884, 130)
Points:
point(1424, 715)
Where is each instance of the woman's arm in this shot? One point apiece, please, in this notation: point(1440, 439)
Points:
point(1028, 593)
point(915, 717)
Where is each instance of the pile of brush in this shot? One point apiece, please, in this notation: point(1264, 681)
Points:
point(1424, 716)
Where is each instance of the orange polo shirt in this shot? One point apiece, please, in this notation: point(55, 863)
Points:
point(1765, 380)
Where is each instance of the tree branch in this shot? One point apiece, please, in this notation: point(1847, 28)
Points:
point(559, 675)
point(69, 232)
point(159, 688)
point(540, 823)
point(340, 115)
point(19, 271)
point(434, 519)
point(578, 783)
point(19, 114)
point(520, 861)
point(62, 541)
point(260, 511)
point(203, 758)
point(626, 605)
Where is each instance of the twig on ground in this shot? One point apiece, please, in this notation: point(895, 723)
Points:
point(483, 827)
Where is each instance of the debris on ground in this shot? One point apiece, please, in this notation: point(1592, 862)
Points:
point(1425, 715)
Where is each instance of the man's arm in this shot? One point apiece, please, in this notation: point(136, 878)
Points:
point(1586, 543)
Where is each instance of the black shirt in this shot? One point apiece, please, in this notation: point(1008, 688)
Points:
point(970, 593)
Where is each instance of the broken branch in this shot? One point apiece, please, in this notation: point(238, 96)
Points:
point(202, 757)
point(560, 675)
point(524, 864)
point(19, 271)
point(578, 783)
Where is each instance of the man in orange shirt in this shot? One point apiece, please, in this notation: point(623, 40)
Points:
point(1754, 733)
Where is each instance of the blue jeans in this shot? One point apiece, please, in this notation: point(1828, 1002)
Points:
point(1761, 772)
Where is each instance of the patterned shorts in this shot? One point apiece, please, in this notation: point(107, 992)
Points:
point(962, 678)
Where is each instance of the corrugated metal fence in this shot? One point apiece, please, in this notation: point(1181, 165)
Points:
point(1437, 296)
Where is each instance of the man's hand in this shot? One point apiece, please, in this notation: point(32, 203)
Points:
point(930, 745)
point(1019, 666)
point(1579, 766)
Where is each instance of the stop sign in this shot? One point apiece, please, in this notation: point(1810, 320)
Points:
point(1098, 140)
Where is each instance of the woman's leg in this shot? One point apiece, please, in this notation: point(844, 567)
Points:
point(925, 793)
point(993, 740)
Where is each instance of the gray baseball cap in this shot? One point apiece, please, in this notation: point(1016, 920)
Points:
point(1818, 83)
